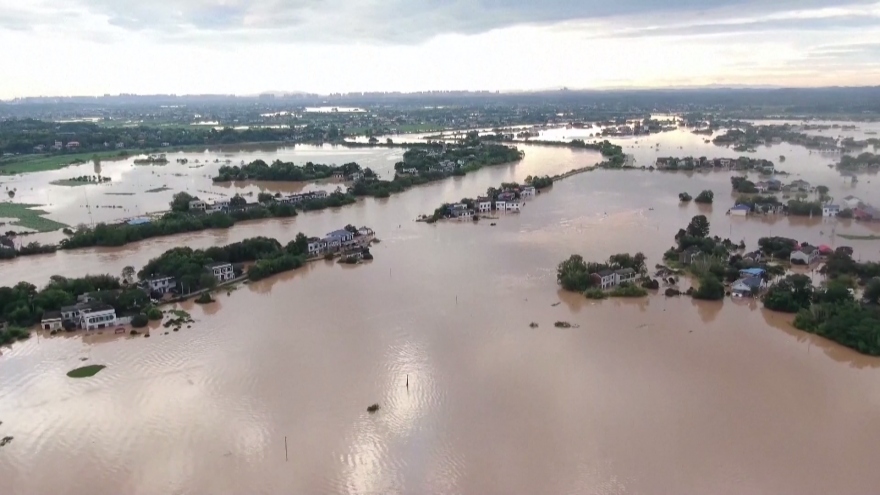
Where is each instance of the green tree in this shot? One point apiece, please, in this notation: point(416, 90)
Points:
point(698, 227)
point(180, 201)
point(684, 197)
point(705, 197)
point(128, 274)
point(154, 314)
point(710, 289)
point(139, 320)
point(265, 197)
point(207, 281)
point(872, 291)
point(822, 190)
point(573, 275)
point(237, 201)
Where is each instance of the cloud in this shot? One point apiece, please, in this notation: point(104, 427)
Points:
point(416, 21)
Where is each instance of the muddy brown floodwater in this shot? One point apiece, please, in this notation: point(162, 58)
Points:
point(650, 396)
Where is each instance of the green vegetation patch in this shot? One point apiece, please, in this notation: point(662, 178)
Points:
point(13, 334)
point(853, 237)
point(70, 183)
point(86, 371)
point(180, 314)
point(26, 216)
point(41, 163)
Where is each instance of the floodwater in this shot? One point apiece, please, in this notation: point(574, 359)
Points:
point(650, 396)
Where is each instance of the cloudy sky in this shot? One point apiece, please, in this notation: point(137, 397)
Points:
point(86, 47)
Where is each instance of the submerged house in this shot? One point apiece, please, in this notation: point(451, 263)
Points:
point(745, 287)
point(805, 255)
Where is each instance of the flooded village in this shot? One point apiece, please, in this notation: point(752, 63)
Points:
point(436, 328)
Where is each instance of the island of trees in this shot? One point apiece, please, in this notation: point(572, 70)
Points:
point(24, 305)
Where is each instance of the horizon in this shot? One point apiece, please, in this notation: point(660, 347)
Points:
point(237, 47)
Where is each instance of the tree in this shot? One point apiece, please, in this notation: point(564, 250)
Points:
point(237, 201)
point(154, 314)
point(699, 227)
point(96, 161)
point(207, 281)
point(11, 193)
point(389, 142)
point(790, 294)
point(181, 200)
point(128, 274)
point(373, 140)
point(872, 291)
point(139, 320)
point(573, 275)
point(705, 197)
point(684, 197)
point(265, 197)
point(710, 289)
point(822, 190)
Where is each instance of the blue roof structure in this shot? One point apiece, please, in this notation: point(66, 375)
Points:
point(138, 221)
point(742, 207)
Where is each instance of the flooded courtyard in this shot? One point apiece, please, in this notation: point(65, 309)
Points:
point(649, 396)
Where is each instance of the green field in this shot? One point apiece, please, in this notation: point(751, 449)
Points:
point(41, 163)
point(860, 237)
point(70, 183)
point(86, 371)
point(29, 218)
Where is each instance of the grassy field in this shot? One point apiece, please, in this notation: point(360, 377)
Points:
point(70, 183)
point(28, 217)
point(860, 237)
point(41, 163)
point(86, 371)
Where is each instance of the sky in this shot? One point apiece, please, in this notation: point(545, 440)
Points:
point(94, 47)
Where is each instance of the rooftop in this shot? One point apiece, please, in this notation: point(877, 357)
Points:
point(750, 282)
point(217, 264)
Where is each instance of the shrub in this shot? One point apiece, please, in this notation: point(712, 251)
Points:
point(204, 298)
point(595, 293)
point(154, 314)
point(705, 197)
point(710, 289)
point(628, 290)
point(139, 320)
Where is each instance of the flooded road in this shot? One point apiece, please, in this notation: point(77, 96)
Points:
point(650, 396)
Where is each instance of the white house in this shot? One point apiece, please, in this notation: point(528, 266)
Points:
point(513, 205)
point(744, 286)
point(805, 255)
point(316, 246)
point(607, 279)
point(830, 210)
point(51, 321)
point(852, 202)
point(197, 204)
point(626, 275)
point(162, 285)
point(90, 315)
point(500, 205)
point(484, 206)
point(527, 192)
point(221, 270)
point(97, 316)
point(740, 210)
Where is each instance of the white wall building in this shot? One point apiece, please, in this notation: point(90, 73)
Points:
point(222, 271)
